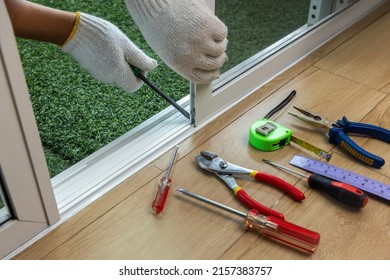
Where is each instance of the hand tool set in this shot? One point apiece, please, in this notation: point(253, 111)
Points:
point(343, 185)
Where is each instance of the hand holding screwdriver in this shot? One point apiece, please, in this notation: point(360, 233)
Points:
point(342, 192)
point(289, 234)
point(163, 188)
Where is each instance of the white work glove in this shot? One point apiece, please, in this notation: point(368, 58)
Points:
point(106, 53)
point(186, 35)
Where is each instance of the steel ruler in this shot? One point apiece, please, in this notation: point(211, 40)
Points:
point(342, 175)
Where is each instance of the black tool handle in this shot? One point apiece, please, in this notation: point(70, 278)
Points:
point(343, 192)
point(139, 74)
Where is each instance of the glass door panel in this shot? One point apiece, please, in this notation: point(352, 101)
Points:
point(268, 37)
point(258, 29)
point(256, 25)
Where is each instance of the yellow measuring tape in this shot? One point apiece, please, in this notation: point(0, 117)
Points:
point(311, 148)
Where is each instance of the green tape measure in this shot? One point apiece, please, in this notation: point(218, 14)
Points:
point(266, 135)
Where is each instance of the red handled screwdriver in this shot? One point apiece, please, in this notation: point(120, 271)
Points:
point(342, 192)
point(279, 230)
point(163, 187)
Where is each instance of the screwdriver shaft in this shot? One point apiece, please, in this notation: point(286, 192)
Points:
point(211, 202)
point(163, 188)
point(168, 173)
point(163, 95)
point(287, 233)
point(285, 168)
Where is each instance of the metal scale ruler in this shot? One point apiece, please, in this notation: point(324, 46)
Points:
point(359, 181)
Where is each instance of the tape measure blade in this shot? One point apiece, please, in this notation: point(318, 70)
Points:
point(342, 175)
point(311, 148)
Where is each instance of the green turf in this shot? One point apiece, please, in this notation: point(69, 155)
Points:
point(77, 115)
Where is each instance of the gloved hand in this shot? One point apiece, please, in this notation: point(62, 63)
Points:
point(106, 53)
point(186, 35)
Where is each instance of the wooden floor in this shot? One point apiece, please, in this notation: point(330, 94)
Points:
point(348, 76)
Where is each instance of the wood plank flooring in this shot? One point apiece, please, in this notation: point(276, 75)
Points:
point(348, 76)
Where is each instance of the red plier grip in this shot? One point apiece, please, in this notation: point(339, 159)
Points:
point(253, 204)
point(279, 183)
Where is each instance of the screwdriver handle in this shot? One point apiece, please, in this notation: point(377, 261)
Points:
point(161, 195)
point(163, 188)
point(342, 192)
point(284, 232)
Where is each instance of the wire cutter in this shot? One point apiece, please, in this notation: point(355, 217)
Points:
point(338, 134)
point(210, 161)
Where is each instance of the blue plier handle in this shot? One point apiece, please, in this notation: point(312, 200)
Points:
point(339, 135)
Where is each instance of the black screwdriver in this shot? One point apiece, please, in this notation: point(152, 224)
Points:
point(137, 72)
point(342, 192)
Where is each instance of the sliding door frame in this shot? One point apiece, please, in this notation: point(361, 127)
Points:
point(23, 170)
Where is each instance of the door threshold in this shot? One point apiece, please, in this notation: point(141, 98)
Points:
point(83, 183)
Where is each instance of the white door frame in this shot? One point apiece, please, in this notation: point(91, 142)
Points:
point(23, 168)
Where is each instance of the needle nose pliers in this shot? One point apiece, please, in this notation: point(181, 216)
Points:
point(226, 171)
point(338, 134)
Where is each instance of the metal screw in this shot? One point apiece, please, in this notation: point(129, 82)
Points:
point(223, 164)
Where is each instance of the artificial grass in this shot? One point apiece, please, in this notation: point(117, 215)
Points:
point(77, 115)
